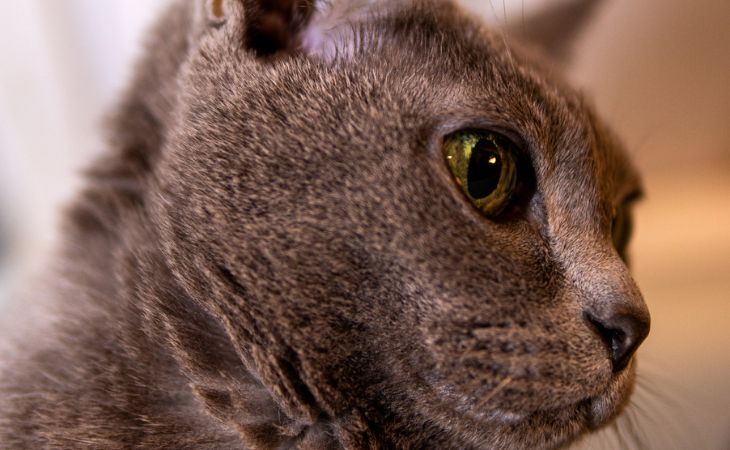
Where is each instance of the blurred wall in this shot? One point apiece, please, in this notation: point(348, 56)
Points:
point(658, 71)
point(63, 64)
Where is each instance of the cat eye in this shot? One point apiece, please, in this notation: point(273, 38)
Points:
point(484, 165)
point(621, 227)
point(622, 222)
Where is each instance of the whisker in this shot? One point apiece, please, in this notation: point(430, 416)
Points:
point(523, 15)
point(656, 377)
point(669, 410)
point(502, 384)
point(494, 11)
point(641, 412)
point(619, 436)
point(633, 429)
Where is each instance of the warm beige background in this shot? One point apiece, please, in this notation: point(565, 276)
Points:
point(659, 71)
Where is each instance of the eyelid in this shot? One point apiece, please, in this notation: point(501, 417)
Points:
point(629, 199)
point(634, 196)
point(447, 126)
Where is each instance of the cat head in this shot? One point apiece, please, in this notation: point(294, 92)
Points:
point(410, 230)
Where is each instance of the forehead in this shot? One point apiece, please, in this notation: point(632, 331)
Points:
point(466, 73)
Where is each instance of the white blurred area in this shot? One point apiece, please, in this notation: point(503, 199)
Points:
point(64, 63)
point(658, 70)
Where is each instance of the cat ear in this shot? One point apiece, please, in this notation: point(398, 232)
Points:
point(554, 28)
point(268, 26)
point(314, 27)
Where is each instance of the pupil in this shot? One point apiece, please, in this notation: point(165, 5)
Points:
point(485, 170)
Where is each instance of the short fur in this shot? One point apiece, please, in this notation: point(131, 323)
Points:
point(273, 253)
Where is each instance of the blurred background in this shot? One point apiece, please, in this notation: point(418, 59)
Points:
point(658, 71)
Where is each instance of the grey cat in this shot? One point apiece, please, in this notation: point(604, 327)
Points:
point(342, 224)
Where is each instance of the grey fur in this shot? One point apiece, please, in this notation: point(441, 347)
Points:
point(273, 254)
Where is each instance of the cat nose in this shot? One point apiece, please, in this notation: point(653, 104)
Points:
point(623, 330)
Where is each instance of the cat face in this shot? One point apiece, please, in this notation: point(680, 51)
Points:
point(305, 200)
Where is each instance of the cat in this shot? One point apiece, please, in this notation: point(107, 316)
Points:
point(345, 224)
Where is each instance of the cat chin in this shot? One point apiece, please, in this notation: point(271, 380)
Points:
point(587, 415)
point(605, 407)
point(543, 429)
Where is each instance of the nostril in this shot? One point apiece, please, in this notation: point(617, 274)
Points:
point(622, 333)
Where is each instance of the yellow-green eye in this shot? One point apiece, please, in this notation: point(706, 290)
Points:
point(484, 166)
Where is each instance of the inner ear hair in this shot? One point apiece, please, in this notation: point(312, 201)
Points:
point(275, 28)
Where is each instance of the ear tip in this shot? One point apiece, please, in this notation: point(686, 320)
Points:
point(216, 9)
point(554, 27)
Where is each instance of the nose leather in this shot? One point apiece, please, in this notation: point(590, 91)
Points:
point(622, 330)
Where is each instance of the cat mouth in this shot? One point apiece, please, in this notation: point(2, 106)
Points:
point(602, 409)
point(553, 427)
point(596, 410)
point(542, 409)
point(590, 413)
point(550, 429)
